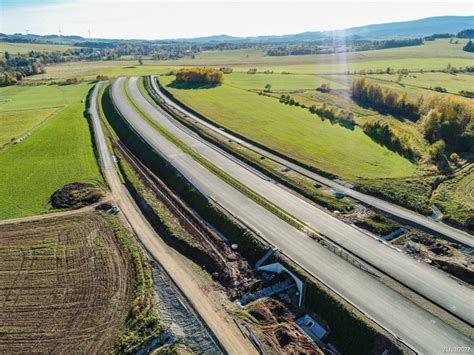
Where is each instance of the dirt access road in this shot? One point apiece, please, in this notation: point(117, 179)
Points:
point(213, 315)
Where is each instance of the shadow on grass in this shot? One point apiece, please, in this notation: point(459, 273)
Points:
point(190, 86)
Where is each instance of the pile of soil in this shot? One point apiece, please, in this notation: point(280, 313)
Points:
point(76, 195)
point(460, 271)
point(280, 332)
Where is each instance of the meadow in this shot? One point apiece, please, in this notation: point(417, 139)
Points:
point(58, 152)
point(295, 132)
point(17, 123)
point(14, 48)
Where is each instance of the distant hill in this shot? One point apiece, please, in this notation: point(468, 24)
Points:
point(406, 29)
point(416, 28)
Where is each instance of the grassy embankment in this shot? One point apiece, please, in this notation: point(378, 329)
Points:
point(274, 170)
point(219, 172)
point(58, 152)
point(295, 132)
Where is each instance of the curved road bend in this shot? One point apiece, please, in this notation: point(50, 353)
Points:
point(221, 326)
point(417, 327)
point(433, 284)
point(388, 207)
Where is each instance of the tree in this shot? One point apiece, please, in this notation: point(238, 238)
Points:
point(436, 150)
point(140, 60)
point(454, 157)
point(268, 88)
point(324, 88)
point(469, 47)
point(200, 76)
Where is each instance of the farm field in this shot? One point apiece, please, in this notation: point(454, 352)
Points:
point(14, 48)
point(16, 123)
point(90, 70)
point(420, 84)
point(295, 132)
point(66, 286)
point(431, 55)
point(58, 152)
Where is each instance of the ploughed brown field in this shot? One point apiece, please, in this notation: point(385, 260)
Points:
point(64, 285)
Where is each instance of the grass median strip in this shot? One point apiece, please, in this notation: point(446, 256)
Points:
point(216, 170)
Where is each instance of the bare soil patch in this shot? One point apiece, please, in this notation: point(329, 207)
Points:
point(65, 286)
point(278, 330)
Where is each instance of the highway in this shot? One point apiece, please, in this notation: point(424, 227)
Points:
point(404, 214)
point(417, 327)
point(433, 284)
point(216, 319)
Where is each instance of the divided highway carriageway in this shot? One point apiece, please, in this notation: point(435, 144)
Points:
point(418, 328)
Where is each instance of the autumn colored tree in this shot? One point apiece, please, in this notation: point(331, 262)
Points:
point(200, 76)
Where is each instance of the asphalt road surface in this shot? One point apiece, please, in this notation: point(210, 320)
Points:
point(433, 284)
point(417, 327)
point(215, 318)
point(388, 207)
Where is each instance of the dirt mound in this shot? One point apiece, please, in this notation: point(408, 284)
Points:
point(279, 332)
point(76, 195)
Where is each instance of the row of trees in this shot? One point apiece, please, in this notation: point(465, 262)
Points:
point(384, 100)
point(342, 117)
point(200, 75)
point(292, 50)
point(14, 68)
point(466, 34)
point(382, 133)
point(389, 43)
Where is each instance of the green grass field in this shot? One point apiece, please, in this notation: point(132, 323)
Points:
point(456, 197)
point(420, 84)
point(57, 153)
point(16, 123)
point(431, 55)
point(295, 132)
point(14, 48)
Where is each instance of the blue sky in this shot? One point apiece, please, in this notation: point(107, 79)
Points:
point(156, 19)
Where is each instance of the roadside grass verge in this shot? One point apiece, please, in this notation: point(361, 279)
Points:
point(142, 323)
point(272, 169)
point(57, 153)
point(217, 171)
point(455, 198)
point(178, 184)
point(163, 220)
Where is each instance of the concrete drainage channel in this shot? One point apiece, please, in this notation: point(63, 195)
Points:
point(179, 317)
